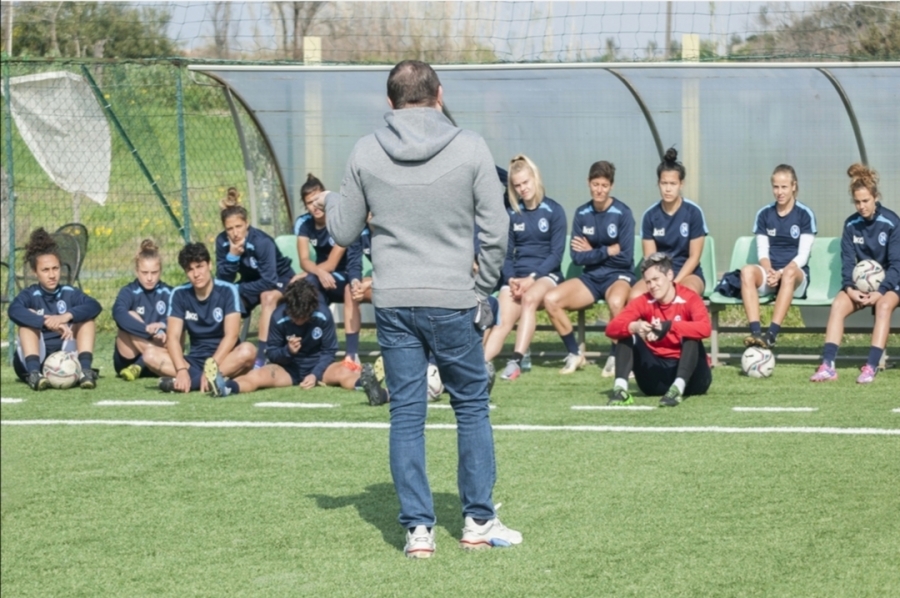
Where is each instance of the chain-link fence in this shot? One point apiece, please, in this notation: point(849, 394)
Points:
point(174, 147)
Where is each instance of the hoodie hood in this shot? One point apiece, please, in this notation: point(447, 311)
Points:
point(415, 134)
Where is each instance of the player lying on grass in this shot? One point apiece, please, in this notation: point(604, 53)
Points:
point(249, 256)
point(785, 231)
point(140, 315)
point(872, 233)
point(301, 350)
point(603, 244)
point(660, 338)
point(537, 242)
point(50, 315)
point(209, 311)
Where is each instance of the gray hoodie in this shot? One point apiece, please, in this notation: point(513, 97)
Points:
point(427, 184)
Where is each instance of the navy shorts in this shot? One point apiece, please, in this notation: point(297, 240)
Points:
point(329, 296)
point(296, 373)
point(598, 285)
point(654, 375)
point(250, 298)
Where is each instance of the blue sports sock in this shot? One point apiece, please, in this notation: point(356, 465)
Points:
point(261, 347)
point(569, 341)
point(85, 358)
point(829, 353)
point(32, 363)
point(874, 356)
point(140, 361)
point(352, 344)
point(235, 388)
point(755, 328)
point(774, 329)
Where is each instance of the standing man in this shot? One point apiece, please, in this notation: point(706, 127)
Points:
point(428, 184)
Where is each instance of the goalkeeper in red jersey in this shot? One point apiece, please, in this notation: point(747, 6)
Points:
point(660, 336)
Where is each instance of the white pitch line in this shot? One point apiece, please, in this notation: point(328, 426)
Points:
point(613, 408)
point(895, 410)
point(446, 406)
point(140, 403)
point(5, 400)
point(299, 405)
point(502, 427)
point(776, 409)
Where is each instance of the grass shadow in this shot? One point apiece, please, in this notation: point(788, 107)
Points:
point(377, 505)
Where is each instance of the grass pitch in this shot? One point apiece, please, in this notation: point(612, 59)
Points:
point(696, 500)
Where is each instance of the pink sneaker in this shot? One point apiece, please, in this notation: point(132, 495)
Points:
point(867, 375)
point(825, 373)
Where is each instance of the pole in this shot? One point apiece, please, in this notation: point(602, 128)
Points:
point(182, 157)
point(11, 208)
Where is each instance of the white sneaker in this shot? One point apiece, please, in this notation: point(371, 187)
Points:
point(419, 543)
point(609, 370)
point(490, 535)
point(573, 362)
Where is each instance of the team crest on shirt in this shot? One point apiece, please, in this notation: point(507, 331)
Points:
point(684, 229)
point(543, 225)
point(612, 231)
point(217, 314)
point(587, 230)
point(160, 307)
point(140, 310)
point(61, 306)
point(882, 238)
point(253, 263)
point(795, 232)
point(518, 227)
point(317, 333)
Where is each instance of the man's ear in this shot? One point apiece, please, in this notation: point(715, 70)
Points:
point(440, 97)
point(390, 103)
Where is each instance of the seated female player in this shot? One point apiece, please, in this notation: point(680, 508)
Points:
point(140, 315)
point(660, 338)
point(537, 240)
point(301, 352)
point(250, 256)
point(785, 230)
point(602, 243)
point(329, 273)
point(209, 311)
point(51, 317)
point(872, 233)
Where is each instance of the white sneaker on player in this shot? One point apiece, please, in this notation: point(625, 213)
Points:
point(492, 534)
point(609, 370)
point(573, 362)
point(419, 543)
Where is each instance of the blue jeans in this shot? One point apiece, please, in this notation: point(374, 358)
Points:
point(405, 334)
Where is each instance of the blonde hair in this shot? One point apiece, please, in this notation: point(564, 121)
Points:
point(231, 205)
point(149, 250)
point(516, 165)
point(863, 177)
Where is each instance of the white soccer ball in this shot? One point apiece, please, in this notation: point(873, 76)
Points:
point(435, 386)
point(868, 275)
point(62, 369)
point(758, 363)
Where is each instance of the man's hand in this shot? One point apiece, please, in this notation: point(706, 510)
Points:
point(871, 298)
point(326, 279)
point(183, 381)
point(773, 278)
point(484, 315)
point(318, 203)
point(308, 382)
point(293, 344)
point(640, 328)
point(237, 247)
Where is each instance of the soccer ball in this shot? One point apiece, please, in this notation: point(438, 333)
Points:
point(62, 369)
point(868, 275)
point(435, 386)
point(758, 363)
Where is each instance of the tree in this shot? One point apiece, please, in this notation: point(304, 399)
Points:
point(91, 29)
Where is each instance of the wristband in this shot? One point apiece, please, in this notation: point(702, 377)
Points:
point(180, 369)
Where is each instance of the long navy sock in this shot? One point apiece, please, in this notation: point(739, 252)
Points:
point(874, 356)
point(85, 358)
point(829, 353)
point(570, 343)
point(235, 389)
point(774, 329)
point(32, 363)
point(261, 350)
point(352, 344)
point(755, 328)
point(517, 357)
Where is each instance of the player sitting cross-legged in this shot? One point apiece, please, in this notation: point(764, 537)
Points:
point(301, 349)
point(209, 310)
point(659, 338)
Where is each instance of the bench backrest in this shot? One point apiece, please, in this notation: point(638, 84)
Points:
point(824, 269)
point(287, 245)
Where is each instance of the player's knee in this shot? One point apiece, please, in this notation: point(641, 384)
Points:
point(748, 273)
